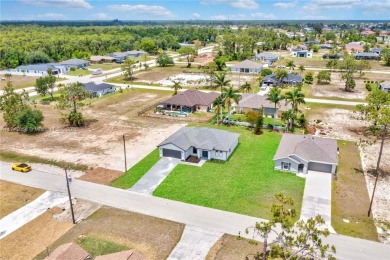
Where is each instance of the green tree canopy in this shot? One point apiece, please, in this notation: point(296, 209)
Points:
point(36, 57)
point(188, 52)
point(164, 60)
point(30, 120)
point(45, 85)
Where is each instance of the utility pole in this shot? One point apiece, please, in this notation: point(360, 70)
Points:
point(377, 168)
point(124, 151)
point(70, 197)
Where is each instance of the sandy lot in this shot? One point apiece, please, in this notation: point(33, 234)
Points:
point(18, 81)
point(339, 123)
point(100, 143)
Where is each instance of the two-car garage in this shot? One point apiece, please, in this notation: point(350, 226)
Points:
point(171, 153)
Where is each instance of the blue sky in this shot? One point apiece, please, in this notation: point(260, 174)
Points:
point(195, 9)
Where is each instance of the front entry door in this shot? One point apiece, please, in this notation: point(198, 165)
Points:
point(205, 154)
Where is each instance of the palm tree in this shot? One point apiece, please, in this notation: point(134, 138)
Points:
point(176, 86)
point(221, 81)
point(295, 97)
point(280, 75)
point(229, 96)
point(288, 118)
point(246, 88)
point(301, 69)
point(218, 106)
point(275, 97)
point(290, 64)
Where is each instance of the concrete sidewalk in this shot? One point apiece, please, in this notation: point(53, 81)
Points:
point(317, 197)
point(150, 181)
point(195, 243)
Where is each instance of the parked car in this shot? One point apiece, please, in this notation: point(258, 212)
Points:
point(21, 167)
point(280, 67)
point(97, 72)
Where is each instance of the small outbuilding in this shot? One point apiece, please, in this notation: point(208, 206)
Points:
point(203, 143)
point(303, 153)
point(247, 66)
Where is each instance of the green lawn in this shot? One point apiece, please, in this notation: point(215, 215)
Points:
point(135, 173)
point(105, 66)
point(245, 184)
point(267, 120)
point(97, 246)
point(79, 72)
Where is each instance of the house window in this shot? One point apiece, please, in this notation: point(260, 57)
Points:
point(286, 166)
point(220, 153)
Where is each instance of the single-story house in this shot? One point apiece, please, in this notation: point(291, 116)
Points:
point(68, 251)
point(253, 102)
point(36, 69)
point(354, 47)
point(134, 53)
point(266, 57)
point(366, 33)
point(247, 66)
point(303, 153)
point(326, 46)
point(75, 63)
point(302, 54)
point(118, 56)
point(292, 79)
point(123, 255)
point(203, 143)
point(99, 59)
point(385, 86)
point(312, 43)
point(377, 50)
point(335, 56)
point(98, 90)
point(367, 56)
point(189, 101)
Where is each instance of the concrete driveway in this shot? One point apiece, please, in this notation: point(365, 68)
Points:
point(317, 197)
point(150, 181)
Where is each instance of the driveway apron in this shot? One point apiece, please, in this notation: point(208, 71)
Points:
point(150, 181)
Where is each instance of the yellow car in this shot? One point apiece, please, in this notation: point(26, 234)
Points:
point(22, 167)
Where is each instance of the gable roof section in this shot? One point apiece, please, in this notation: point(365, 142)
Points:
point(202, 138)
point(74, 62)
point(91, 86)
point(385, 85)
point(192, 97)
point(256, 101)
point(309, 148)
point(247, 64)
point(68, 251)
point(37, 67)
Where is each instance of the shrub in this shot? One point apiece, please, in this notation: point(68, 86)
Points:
point(368, 86)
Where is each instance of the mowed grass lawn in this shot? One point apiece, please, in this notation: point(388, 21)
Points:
point(245, 184)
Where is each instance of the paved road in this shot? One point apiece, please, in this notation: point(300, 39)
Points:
point(150, 181)
point(32, 210)
point(203, 239)
point(335, 102)
point(317, 197)
point(207, 218)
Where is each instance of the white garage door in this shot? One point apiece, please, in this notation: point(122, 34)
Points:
point(320, 167)
point(171, 153)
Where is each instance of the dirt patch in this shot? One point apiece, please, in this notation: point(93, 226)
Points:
point(18, 81)
point(101, 175)
point(342, 124)
point(13, 197)
point(229, 247)
point(100, 143)
point(154, 238)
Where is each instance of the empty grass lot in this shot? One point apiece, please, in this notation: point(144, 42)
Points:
point(245, 184)
point(79, 72)
point(350, 198)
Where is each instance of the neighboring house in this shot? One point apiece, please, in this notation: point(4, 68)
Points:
point(134, 53)
point(336, 56)
point(312, 43)
point(385, 86)
point(123, 255)
point(189, 101)
point(367, 56)
point(302, 54)
point(203, 143)
point(68, 251)
point(75, 63)
point(384, 33)
point(303, 153)
point(299, 47)
point(266, 57)
point(292, 79)
point(326, 46)
point(377, 50)
point(367, 33)
point(35, 69)
point(118, 56)
point(98, 90)
point(187, 44)
point(100, 59)
point(247, 66)
point(253, 102)
point(354, 47)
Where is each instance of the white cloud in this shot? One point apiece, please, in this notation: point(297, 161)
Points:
point(331, 4)
point(263, 16)
point(313, 17)
point(66, 4)
point(219, 17)
point(50, 16)
point(285, 5)
point(195, 15)
point(376, 7)
point(101, 16)
point(241, 4)
point(154, 10)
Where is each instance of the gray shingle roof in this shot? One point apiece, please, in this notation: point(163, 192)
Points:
point(247, 64)
point(37, 67)
point(290, 78)
point(91, 86)
point(309, 148)
point(256, 101)
point(366, 54)
point(191, 98)
point(202, 138)
point(74, 62)
point(267, 55)
point(385, 85)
